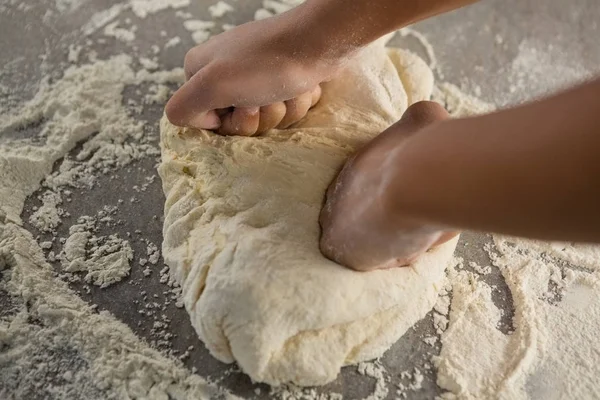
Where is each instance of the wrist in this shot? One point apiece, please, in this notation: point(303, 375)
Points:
point(414, 183)
point(302, 42)
point(325, 33)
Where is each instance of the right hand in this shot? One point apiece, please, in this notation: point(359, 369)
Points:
point(258, 76)
point(363, 225)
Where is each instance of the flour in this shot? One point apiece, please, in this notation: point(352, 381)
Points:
point(174, 41)
point(74, 51)
point(291, 392)
point(148, 64)
point(68, 6)
point(101, 18)
point(539, 69)
point(124, 35)
point(541, 358)
point(406, 31)
point(479, 269)
point(153, 253)
point(104, 259)
point(47, 217)
point(201, 30)
point(48, 332)
point(143, 8)
point(220, 9)
point(262, 13)
point(376, 371)
point(279, 7)
point(457, 103)
point(415, 383)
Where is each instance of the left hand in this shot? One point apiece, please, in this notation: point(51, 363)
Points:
point(363, 227)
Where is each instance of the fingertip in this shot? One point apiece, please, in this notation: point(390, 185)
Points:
point(425, 112)
point(242, 121)
point(174, 112)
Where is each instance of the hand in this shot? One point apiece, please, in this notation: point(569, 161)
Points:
point(362, 226)
point(258, 76)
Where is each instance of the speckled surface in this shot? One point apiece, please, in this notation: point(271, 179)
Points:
point(487, 49)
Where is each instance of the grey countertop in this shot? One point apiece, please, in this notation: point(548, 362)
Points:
point(505, 51)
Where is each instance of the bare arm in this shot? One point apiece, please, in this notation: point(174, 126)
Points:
point(270, 70)
point(338, 27)
point(531, 171)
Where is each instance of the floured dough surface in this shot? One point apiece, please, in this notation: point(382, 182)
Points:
point(241, 233)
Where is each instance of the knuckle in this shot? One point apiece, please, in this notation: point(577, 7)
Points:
point(189, 64)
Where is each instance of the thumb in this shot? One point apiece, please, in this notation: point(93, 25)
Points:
point(421, 114)
point(192, 103)
point(415, 118)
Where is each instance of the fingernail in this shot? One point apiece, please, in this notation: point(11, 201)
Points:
point(209, 120)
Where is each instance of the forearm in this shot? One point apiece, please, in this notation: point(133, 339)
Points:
point(530, 171)
point(339, 26)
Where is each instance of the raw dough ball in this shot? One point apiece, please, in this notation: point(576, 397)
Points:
point(241, 233)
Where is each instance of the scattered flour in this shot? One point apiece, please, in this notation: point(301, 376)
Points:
point(174, 41)
point(201, 30)
point(104, 259)
point(547, 356)
point(415, 383)
point(47, 331)
point(376, 371)
point(479, 269)
point(121, 34)
point(143, 8)
point(457, 103)
point(67, 6)
point(279, 7)
point(540, 68)
point(220, 9)
point(102, 18)
point(74, 51)
point(262, 13)
point(291, 392)
point(406, 31)
point(55, 345)
point(47, 217)
point(148, 64)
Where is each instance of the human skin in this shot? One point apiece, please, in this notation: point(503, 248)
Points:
point(266, 74)
point(528, 171)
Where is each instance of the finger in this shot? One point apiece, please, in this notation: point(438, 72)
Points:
point(242, 121)
point(424, 113)
point(315, 96)
point(296, 109)
point(221, 112)
point(192, 104)
point(271, 116)
point(194, 61)
point(415, 118)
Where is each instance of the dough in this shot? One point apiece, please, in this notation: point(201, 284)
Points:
point(241, 234)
